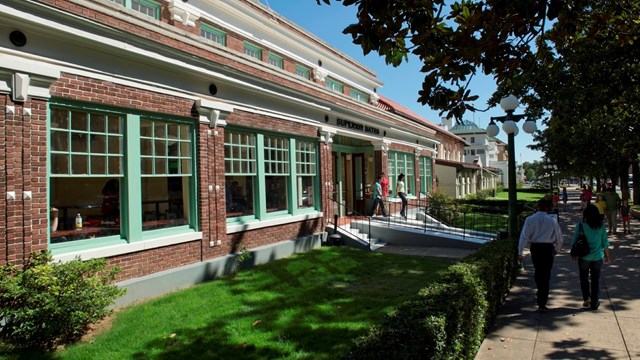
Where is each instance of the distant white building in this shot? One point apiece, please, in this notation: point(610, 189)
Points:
point(477, 173)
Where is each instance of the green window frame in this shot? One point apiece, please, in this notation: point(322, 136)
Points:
point(399, 162)
point(146, 7)
point(276, 60)
point(253, 50)
point(334, 85)
point(286, 182)
point(303, 72)
point(426, 174)
point(359, 96)
point(213, 34)
point(89, 145)
point(306, 171)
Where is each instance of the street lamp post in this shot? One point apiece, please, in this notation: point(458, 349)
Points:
point(552, 170)
point(509, 105)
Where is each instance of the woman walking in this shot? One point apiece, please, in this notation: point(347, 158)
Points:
point(402, 194)
point(590, 265)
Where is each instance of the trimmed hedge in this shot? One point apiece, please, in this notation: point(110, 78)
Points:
point(449, 318)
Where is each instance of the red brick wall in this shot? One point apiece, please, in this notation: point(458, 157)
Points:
point(22, 168)
point(25, 222)
point(266, 236)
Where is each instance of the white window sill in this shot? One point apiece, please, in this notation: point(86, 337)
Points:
point(126, 248)
point(235, 228)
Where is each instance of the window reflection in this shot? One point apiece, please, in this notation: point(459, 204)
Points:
point(96, 200)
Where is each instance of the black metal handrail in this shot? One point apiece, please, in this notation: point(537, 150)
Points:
point(356, 215)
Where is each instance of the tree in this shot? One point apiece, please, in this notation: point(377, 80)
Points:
point(503, 38)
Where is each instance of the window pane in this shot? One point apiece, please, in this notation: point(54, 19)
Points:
point(277, 194)
point(79, 121)
point(59, 164)
point(160, 166)
point(79, 142)
point(96, 199)
point(305, 192)
point(160, 148)
point(115, 124)
point(98, 123)
point(59, 141)
point(239, 196)
point(146, 128)
point(147, 166)
point(115, 165)
point(146, 147)
point(98, 165)
point(79, 164)
point(60, 119)
point(165, 202)
point(98, 144)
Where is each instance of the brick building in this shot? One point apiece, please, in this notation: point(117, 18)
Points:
point(164, 133)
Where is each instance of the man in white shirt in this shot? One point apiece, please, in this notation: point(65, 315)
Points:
point(543, 235)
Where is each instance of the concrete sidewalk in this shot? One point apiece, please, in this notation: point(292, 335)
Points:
point(567, 331)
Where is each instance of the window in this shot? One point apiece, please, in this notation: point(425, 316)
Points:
point(276, 170)
point(213, 34)
point(401, 163)
point(108, 166)
point(426, 174)
point(480, 152)
point(334, 85)
point(306, 173)
point(472, 139)
point(166, 168)
point(147, 7)
point(303, 72)
point(240, 170)
point(359, 96)
point(253, 51)
point(284, 183)
point(276, 61)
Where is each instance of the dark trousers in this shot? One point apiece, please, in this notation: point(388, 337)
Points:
point(590, 291)
point(403, 210)
point(542, 257)
point(377, 201)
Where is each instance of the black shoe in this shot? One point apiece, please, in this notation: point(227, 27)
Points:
point(543, 309)
point(595, 306)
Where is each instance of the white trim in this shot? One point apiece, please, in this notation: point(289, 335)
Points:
point(121, 249)
point(231, 229)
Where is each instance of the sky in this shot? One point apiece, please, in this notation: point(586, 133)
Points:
point(401, 84)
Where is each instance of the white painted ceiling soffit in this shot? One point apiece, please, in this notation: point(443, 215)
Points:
point(267, 28)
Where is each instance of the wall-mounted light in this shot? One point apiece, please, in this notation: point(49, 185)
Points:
point(320, 63)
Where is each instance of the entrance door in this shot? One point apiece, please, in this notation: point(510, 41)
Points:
point(359, 175)
point(349, 178)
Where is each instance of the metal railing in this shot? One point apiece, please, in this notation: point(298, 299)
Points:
point(361, 222)
point(464, 220)
point(467, 221)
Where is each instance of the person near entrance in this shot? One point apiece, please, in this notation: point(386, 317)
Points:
point(402, 194)
point(377, 198)
point(543, 235)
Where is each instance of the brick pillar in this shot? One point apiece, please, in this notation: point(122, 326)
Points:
point(326, 181)
point(4, 245)
point(212, 192)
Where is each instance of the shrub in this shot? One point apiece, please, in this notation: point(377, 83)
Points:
point(449, 318)
point(46, 304)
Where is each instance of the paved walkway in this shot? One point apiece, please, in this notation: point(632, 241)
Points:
point(567, 331)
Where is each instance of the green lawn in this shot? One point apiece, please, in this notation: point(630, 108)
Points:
point(482, 222)
point(521, 196)
point(309, 306)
